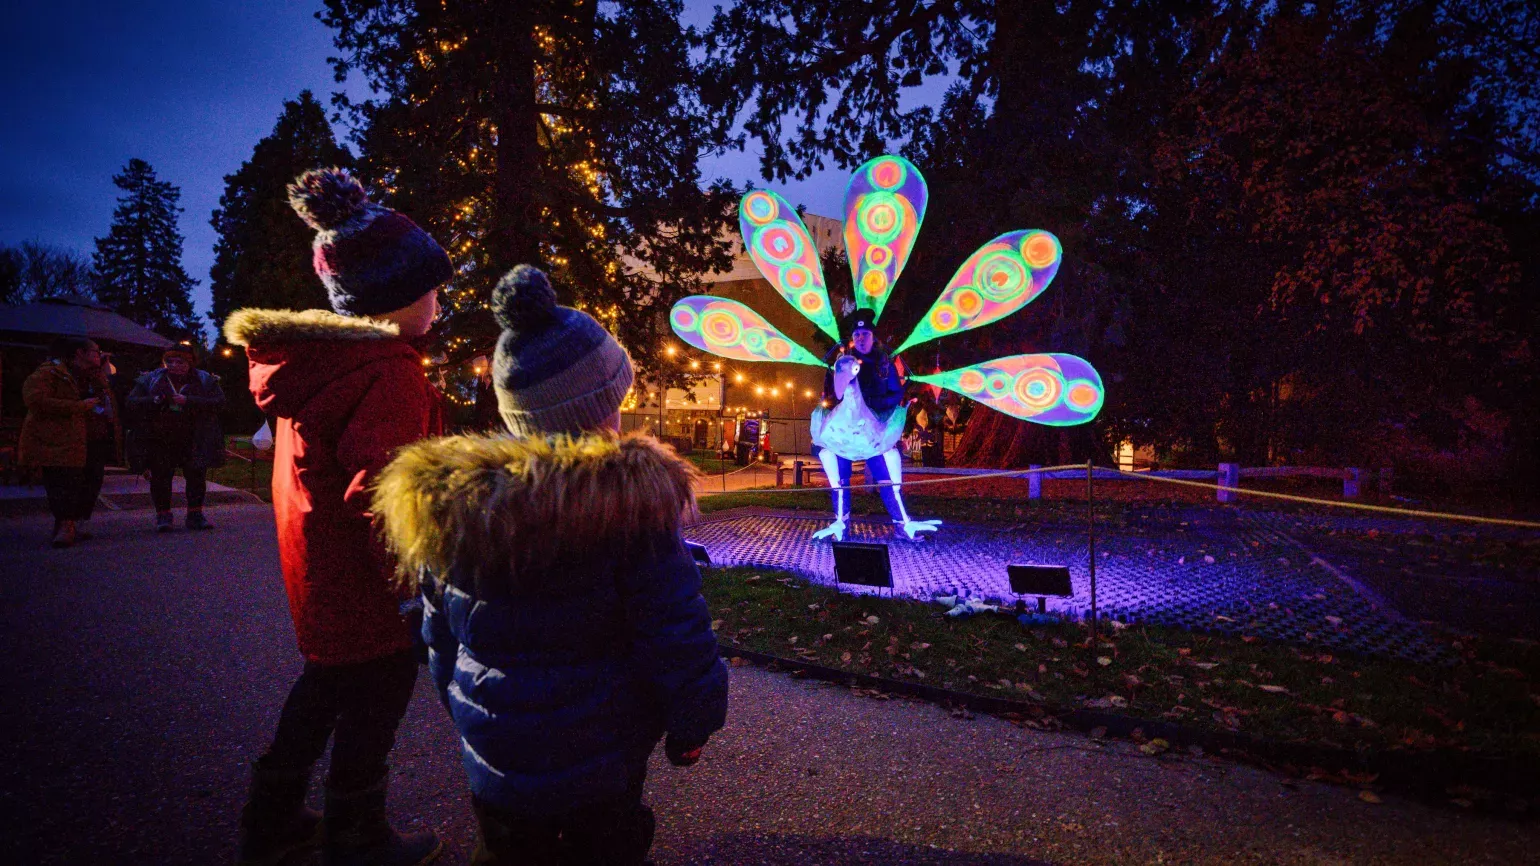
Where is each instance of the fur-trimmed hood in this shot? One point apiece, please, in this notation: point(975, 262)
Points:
point(295, 356)
point(251, 326)
point(501, 510)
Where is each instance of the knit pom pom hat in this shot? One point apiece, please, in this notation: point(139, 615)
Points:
point(372, 259)
point(556, 370)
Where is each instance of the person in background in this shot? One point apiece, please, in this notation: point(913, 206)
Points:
point(70, 432)
point(565, 626)
point(178, 410)
point(347, 390)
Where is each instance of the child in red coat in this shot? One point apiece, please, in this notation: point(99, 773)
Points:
point(347, 390)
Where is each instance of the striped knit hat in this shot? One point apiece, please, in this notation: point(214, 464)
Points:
point(372, 259)
point(556, 370)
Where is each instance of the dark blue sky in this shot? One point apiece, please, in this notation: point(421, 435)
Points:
point(188, 86)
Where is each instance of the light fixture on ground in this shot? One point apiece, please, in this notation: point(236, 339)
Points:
point(1041, 581)
point(862, 563)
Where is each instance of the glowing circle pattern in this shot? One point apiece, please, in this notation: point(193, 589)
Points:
point(1040, 250)
point(943, 318)
point(731, 330)
point(999, 276)
point(784, 251)
point(884, 207)
point(1038, 389)
point(1052, 389)
point(887, 172)
point(759, 207)
point(721, 329)
point(968, 303)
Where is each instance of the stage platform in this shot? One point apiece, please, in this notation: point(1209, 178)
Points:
point(1236, 575)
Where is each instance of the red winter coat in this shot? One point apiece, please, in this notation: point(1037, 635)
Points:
point(347, 393)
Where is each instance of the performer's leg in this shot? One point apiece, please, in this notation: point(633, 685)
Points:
point(887, 470)
point(837, 470)
point(890, 465)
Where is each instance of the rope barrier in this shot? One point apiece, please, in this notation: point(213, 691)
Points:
point(1144, 476)
point(1360, 506)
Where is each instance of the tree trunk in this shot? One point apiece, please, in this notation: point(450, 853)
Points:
point(516, 231)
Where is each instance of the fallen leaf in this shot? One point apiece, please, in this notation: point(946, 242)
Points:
point(1275, 690)
point(1155, 747)
point(872, 620)
point(737, 661)
point(1369, 797)
point(1103, 661)
point(1208, 666)
point(717, 624)
point(1209, 560)
point(845, 657)
point(1021, 647)
point(1334, 620)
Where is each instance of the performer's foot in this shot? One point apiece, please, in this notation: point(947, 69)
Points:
point(912, 528)
point(836, 530)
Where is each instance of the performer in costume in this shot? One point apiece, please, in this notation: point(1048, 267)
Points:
point(862, 419)
point(884, 206)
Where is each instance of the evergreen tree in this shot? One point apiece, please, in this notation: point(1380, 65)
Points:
point(139, 263)
point(262, 257)
point(561, 133)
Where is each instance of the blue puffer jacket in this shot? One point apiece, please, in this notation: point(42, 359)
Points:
point(563, 616)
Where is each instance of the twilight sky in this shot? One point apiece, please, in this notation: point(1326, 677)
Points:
point(188, 86)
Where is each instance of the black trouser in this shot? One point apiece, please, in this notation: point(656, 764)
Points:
point(362, 703)
point(163, 462)
point(615, 833)
point(72, 491)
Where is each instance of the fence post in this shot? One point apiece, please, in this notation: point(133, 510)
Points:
point(1387, 480)
point(1351, 477)
point(1035, 482)
point(1090, 509)
point(1229, 476)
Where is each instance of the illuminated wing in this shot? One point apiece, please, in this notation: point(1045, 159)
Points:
point(884, 206)
point(732, 330)
point(785, 253)
point(1057, 390)
point(1000, 278)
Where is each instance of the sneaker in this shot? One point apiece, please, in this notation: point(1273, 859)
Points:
point(163, 521)
point(196, 520)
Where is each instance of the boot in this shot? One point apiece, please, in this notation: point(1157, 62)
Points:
point(64, 534)
point(162, 521)
point(358, 833)
point(196, 520)
point(275, 822)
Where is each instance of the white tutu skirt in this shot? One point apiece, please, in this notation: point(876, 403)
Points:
point(853, 431)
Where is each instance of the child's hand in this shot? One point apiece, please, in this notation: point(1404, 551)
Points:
point(679, 754)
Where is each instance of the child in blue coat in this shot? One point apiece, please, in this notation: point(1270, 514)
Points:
point(563, 615)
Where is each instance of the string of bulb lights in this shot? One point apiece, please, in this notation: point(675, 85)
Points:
point(774, 390)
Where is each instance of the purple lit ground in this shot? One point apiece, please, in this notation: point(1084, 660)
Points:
point(1242, 573)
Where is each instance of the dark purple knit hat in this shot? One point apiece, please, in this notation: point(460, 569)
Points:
point(372, 259)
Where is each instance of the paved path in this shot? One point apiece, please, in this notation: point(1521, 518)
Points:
point(144, 672)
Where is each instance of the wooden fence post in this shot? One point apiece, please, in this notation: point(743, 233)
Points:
point(1035, 482)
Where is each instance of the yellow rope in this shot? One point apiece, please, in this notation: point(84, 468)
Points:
point(1383, 509)
point(1016, 473)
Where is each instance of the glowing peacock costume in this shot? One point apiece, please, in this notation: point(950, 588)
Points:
point(884, 207)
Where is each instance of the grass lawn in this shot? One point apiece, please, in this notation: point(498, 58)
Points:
point(238, 474)
point(1488, 701)
point(709, 463)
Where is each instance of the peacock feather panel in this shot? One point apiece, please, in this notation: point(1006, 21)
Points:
point(1000, 278)
point(783, 250)
point(884, 207)
point(731, 330)
point(1052, 389)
